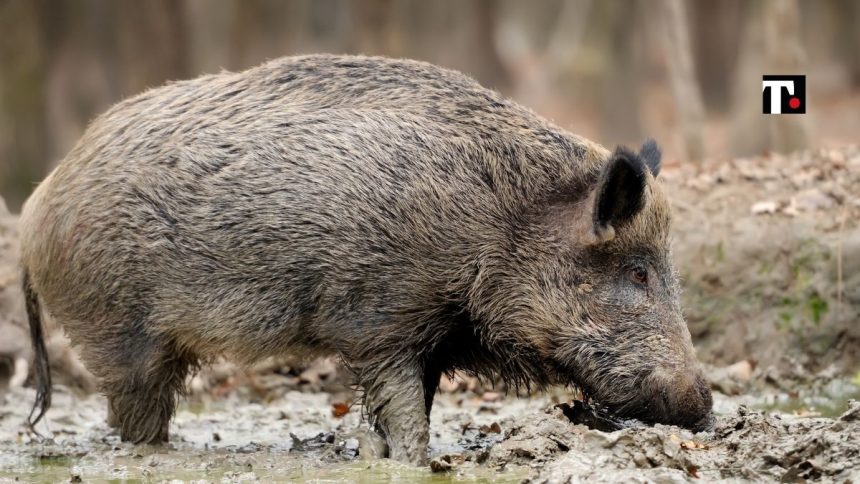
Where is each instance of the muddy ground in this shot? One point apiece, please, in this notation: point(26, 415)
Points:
point(769, 251)
point(301, 436)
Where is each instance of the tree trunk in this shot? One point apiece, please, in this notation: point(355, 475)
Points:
point(715, 30)
point(682, 76)
point(619, 84)
point(784, 54)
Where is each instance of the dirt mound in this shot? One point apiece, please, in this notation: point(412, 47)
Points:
point(750, 445)
point(769, 253)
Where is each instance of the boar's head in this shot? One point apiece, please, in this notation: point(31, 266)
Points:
point(591, 290)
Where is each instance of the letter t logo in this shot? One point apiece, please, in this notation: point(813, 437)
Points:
point(773, 101)
point(776, 93)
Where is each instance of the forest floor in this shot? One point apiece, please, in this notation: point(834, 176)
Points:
point(769, 252)
point(298, 438)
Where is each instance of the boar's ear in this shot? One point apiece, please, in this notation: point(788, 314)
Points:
point(651, 155)
point(620, 193)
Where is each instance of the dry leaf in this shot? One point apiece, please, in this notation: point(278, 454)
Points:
point(688, 444)
point(693, 445)
point(693, 471)
point(767, 206)
point(339, 409)
point(806, 413)
point(813, 199)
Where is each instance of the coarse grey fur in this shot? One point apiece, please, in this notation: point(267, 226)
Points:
point(390, 212)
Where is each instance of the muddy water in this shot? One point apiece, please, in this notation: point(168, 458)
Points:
point(801, 434)
point(293, 439)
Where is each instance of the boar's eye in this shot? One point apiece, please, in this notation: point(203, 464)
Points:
point(638, 275)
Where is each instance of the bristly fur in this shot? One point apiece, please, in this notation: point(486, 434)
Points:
point(390, 212)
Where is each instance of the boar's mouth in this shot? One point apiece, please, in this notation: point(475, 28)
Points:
point(598, 415)
point(646, 405)
point(595, 417)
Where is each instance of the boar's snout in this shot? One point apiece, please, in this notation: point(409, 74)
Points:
point(687, 402)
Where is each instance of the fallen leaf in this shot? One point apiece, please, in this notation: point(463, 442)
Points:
point(493, 428)
point(806, 413)
point(693, 445)
point(693, 471)
point(767, 206)
point(339, 409)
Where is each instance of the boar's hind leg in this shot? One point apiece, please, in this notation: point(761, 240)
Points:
point(394, 395)
point(141, 391)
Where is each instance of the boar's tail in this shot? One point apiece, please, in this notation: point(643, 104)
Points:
point(41, 367)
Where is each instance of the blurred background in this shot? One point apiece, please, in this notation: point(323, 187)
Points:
point(766, 218)
point(685, 72)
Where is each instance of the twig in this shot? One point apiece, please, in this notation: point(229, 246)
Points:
point(839, 283)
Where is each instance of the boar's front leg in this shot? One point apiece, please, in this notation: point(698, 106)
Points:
point(394, 396)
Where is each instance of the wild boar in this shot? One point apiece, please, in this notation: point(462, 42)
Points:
point(389, 212)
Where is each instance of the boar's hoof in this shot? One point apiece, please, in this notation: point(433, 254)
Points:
point(371, 445)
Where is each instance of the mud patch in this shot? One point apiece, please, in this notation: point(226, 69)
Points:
point(297, 437)
point(293, 438)
point(750, 445)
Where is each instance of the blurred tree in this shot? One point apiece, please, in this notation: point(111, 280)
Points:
point(785, 53)
point(748, 126)
point(81, 74)
point(685, 88)
point(771, 45)
point(29, 34)
point(620, 24)
point(150, 42)
point(715, 30)
point(538, 57)
point(260, 30)
point(208, 47)
point(488, 67)
point(848, 42)
point(589, 64)
point(376, 27)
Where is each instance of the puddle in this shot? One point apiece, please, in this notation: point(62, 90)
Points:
point(829, 401)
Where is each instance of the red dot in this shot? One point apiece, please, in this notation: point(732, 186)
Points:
point(794, 103)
